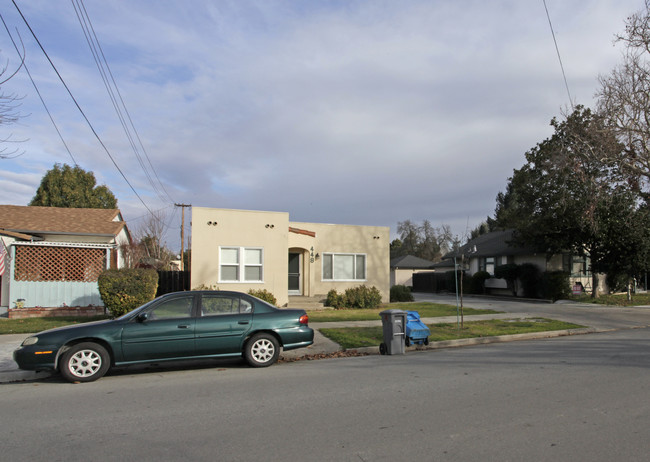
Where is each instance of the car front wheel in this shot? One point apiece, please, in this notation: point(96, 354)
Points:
point(262, 350)
point(85, 362)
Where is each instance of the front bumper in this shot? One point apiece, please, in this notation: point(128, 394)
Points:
point(36, 357)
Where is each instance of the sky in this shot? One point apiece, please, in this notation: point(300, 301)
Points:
point(362, 112)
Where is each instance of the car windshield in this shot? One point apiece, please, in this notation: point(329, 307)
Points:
point(132, 312)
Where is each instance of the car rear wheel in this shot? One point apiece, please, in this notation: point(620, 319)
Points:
point(85, 362)
point(262, 350)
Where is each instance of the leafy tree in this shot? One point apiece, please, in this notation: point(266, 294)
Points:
point(72, 187)
point(569, 196)
point(396, 248)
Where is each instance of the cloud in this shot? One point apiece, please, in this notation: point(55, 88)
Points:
point(367, 112)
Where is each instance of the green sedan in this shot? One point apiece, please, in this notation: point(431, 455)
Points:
point(175, 326)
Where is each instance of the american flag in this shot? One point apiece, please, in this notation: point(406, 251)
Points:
point(3, 255)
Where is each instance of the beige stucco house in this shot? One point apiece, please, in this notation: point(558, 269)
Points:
point(243, 250)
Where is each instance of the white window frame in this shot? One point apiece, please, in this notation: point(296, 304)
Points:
point(354, 256)
point(241, 265)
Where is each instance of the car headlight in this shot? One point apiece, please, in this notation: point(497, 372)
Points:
point(30, 341)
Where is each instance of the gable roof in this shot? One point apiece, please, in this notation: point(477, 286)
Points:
point(410, 262)
point(493, 244)
point(58, 220)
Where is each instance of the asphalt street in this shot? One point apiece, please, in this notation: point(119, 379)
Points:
point(577, 398)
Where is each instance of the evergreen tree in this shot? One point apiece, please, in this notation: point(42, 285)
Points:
point(72, 187)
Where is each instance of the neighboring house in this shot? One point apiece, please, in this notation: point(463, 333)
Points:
point(402, 269)
point(244, 250)
point(490, 250)
point(55, 255)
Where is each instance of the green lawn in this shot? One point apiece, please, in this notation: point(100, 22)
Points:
point(357, 337)
point(31, 325)
point(425, 309)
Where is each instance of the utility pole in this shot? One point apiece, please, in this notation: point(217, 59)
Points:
point(183, 232)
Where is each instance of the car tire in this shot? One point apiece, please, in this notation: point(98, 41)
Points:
point(85, 362)
point(262, 350)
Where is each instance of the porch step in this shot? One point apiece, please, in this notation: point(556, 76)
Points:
point(306, 303)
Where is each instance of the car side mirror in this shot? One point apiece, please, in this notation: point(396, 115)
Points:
point(142, 317)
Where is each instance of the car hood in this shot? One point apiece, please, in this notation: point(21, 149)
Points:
point(73, 327)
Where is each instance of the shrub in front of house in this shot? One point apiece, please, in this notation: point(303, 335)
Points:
point(265, 295)
point(362, 297)
point(509, 272)
point(477, 282)
point(531, 280)
point(401, 293)
point(355, 297)
point(122, 290)
point(334, 299)
point(617, 282)
point(556, 285)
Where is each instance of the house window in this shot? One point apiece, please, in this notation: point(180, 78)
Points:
point(487, 264)
point(577, 266)
point(241, 264)
point(344, 267)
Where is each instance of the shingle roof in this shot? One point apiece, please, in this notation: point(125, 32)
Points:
point(410, 261)
point(57, 220)
point(496, 243)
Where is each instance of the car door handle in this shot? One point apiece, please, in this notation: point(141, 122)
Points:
point(183, 326)
point(242, 322)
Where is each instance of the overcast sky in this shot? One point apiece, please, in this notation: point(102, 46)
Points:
point(363, 112)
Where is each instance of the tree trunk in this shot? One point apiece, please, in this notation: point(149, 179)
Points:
point(594, 284)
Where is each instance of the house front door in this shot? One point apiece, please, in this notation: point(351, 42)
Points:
point(295, 277)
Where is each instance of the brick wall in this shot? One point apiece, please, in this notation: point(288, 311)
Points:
point(39, 312)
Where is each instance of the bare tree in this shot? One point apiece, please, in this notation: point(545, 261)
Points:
point(155, 250)
point(624, 96)
point(9, 104)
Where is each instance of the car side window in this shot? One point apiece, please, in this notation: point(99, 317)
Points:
point(245, 306)
point(180, 307)
point(215, 305)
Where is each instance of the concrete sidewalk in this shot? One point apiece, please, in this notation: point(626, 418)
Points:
point(9, 371)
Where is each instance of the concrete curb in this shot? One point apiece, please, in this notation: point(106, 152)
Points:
point(488, 340)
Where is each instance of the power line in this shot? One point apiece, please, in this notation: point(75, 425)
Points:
point(557, 49)
point(79, 107)
point(116, 97)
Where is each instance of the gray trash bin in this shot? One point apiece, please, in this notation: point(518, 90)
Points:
point(394, 324)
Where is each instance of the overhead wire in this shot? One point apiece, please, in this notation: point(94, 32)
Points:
point(557, 49)
point(29, 74)
point(117, 100)
point(79, 107)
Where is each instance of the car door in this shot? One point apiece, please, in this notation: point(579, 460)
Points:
point(164, 330)
point(223, 322)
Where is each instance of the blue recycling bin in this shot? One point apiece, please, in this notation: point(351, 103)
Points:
point(416, 331)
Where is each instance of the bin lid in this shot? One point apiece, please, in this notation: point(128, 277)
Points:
point(393, 311)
